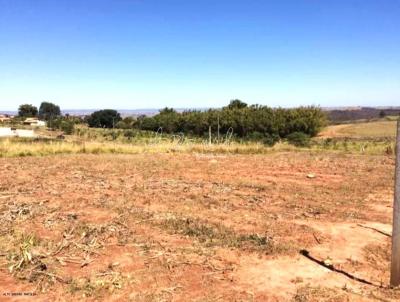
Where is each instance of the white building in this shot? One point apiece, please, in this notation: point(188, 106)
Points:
point(32, 121)
point(8, 132)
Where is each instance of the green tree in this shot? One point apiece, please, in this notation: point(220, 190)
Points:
point(255, 122)
point(107, 118)
point(27, 110)
point(237, 104)
point(126, 123)
point(49, 111)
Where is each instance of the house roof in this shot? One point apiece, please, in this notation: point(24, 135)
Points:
point(31, 119)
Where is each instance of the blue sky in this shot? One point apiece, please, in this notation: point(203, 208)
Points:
point(130, 54)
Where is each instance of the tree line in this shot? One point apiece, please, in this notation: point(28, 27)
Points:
point(253, 122)
point(46, 110)
point(239, 120)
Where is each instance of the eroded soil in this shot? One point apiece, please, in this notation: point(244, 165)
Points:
point(188, 227)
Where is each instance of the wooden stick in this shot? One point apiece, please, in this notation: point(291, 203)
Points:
point(395, 264)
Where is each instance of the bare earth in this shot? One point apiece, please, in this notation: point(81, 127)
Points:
point(191, 227)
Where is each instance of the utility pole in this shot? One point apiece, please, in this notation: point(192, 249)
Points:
point(395, 265)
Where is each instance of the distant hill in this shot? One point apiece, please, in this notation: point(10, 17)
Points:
point(123, 112)
point(339, 115)
point(8, 112)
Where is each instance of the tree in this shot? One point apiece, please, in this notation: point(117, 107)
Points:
point(106, 118)
point(126, 123)
point(27, 110)
point(167, 110)
point(48, 111)
point(237, 104)
point(255, 122)
point(382, 114)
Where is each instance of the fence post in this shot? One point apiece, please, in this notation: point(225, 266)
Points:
point(395, 264)
point(218, 131)
point(209, 135)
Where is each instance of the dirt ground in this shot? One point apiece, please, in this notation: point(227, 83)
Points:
point(192, 227)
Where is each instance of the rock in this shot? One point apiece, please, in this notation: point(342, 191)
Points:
point(328, 262)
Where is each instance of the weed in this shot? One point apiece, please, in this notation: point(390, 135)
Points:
point(216, 234)
point(317, 294)
point(97, 284)
point(22, 257)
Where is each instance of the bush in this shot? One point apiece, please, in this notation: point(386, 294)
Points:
point(265, 138)
point(121, 125)
point(114, 135)
point(270, 140)
point(129, 134)
point(255, 136)
point(67, 127)
point(299, 139)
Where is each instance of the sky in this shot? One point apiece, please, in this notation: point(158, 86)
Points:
point(133, 54)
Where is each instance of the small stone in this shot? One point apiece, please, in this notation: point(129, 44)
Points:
point(328, 262)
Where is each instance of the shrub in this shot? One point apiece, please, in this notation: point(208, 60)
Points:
point(114, 135)
point(129, 134)
point(67, 127)
point(255, 136)
point(270, 140)
point(298, 139)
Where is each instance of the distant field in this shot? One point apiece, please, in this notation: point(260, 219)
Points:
point(362, 130)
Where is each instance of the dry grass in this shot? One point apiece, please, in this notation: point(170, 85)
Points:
point(319, 294)
point(13, 148)
point(376, 129)
point(20, 148)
